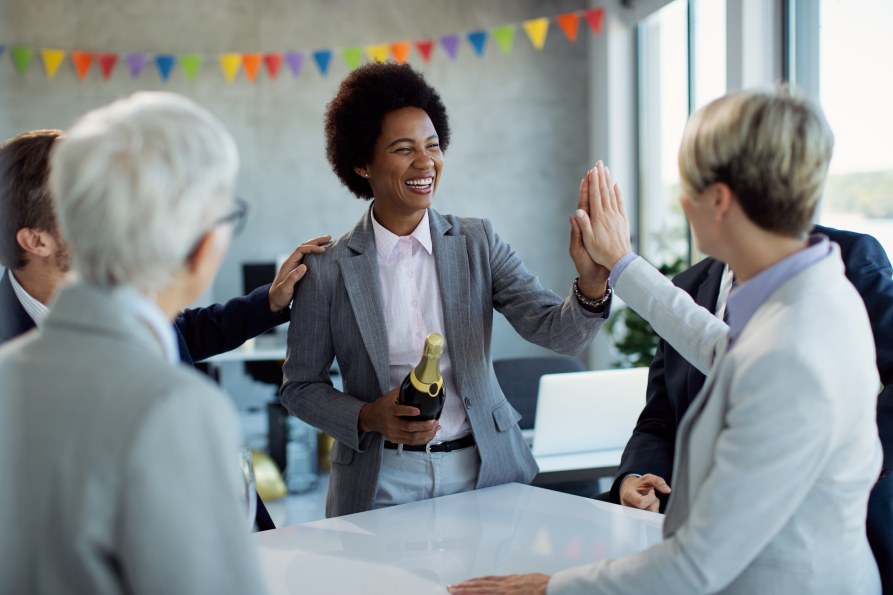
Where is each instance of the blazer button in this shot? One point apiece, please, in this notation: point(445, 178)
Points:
point(467, 403)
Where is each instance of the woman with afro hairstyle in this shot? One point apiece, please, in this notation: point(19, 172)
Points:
point(406, 270)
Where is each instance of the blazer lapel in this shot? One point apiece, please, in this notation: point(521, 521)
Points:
point(454, 278)
point(359, 270)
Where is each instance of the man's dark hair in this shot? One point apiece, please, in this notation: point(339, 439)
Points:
point(24, 192)
point(353, 118)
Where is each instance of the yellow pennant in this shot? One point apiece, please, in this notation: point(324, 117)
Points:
point(51, 61)
point(378, 53)
point(229, 64)
point(537, 29)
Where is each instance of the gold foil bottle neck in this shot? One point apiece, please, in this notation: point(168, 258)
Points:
point(433, 345)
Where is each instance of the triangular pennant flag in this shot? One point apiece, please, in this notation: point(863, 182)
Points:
point(165, 63)
point(399, 50)
point(322, 59)
point(378, 53)
point(424, 49)
point(504, 36)
point(570, 24)
point(51, 61)
point(295, 61)
point(595, 17)
point(21, 56)
point(478, 39)
point(229, 64)
point(190, 63)
point(251, 64)
point(136, 63)
point(353, 57)
point(2, 47)
point(82, 62)
point(537, 29)
point(451, 44)
point(107, 64)
point(272, 62)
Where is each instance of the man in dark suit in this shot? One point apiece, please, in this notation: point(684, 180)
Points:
point(647, 463)
point(35, 256)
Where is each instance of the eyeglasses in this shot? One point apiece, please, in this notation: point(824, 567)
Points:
point(237, 218)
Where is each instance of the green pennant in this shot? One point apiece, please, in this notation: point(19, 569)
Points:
point(504, 37)
point(21, 56)
point(190, 63)
point(353, 57)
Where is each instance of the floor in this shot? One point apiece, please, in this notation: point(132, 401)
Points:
point(295, 509)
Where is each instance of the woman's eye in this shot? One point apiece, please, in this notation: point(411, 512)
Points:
point(434, 146)
point(403, 150)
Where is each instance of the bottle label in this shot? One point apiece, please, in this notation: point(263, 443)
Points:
point(432, 390)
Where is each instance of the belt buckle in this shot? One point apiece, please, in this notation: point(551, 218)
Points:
point(432, 443)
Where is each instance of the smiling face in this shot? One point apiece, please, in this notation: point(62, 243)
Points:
point(405, 168)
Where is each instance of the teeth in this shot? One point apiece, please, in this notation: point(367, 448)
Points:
point(422, 182)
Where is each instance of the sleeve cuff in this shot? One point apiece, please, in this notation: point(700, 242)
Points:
point(620, 267)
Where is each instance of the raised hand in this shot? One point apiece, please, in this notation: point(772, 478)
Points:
point(602, 219)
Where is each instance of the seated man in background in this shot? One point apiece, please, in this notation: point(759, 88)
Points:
point(647, 465)
point(36, 257)
point(103, 435)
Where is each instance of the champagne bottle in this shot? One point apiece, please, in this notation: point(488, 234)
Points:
point(423, 386)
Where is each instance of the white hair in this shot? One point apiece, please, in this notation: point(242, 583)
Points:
point(137, 183)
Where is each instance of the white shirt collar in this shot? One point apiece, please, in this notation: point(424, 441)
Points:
point(148, 312)
point(385, 240)
point(36, 310)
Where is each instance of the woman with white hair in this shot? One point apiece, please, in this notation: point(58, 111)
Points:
point(777, 454)
point(104, 436)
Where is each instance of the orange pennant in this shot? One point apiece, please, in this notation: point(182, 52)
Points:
point(107, 64)
point(272, 63)
point(569, 23)
point(251, 64)
point(400, 51)
point(82, 62)
point(595, 18)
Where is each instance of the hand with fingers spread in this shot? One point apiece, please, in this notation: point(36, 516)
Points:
point(604, 226)
point(514, 584)
point(292, 270)
point(641, 492)
point(383, 416)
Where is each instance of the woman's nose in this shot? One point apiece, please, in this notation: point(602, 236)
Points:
point(423, 161)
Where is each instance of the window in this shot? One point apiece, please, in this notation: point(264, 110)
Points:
point(856, 92)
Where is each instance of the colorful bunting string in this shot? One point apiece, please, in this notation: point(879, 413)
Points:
point(537, 31)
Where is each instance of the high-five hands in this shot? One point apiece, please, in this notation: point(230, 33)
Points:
point(601, 218)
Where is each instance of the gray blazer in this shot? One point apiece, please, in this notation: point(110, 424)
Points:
point(119, 470)
point(338, 313)
point(776, 455)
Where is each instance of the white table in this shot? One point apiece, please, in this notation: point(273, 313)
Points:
point(421, 547)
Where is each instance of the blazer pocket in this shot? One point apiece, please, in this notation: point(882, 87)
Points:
point(505, 417)
point(340, 454)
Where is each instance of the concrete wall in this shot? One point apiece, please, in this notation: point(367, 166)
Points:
point(520, 122)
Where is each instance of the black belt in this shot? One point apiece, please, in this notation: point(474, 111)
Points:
point(448, 446)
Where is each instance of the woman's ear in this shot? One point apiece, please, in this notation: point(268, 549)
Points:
point(363, 172)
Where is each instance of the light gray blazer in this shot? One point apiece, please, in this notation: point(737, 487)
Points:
point(338, 313)
point(775, 456)
point(118, 470)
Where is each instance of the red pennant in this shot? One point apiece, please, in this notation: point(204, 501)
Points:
point(424, 48)
point(272, 63)
point(82, 62)
point(400, 51)
point(251, 64)
point(569, 23)
point(595, 17)
point(107, 64)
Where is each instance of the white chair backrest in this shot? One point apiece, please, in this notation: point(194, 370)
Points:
point(588, 411)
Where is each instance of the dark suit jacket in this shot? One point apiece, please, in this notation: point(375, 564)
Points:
point(673, 383)
point(201, 333)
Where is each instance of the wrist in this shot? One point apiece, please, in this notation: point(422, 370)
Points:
point(592, 288)
point(594, 306)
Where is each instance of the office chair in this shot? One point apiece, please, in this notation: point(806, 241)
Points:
point(519, 379)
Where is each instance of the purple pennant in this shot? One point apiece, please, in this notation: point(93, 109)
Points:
point(451, 44)
point(135, 63)
point(295, 61)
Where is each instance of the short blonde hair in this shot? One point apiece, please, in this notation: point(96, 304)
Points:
point(136, 184)
point(772, 148)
